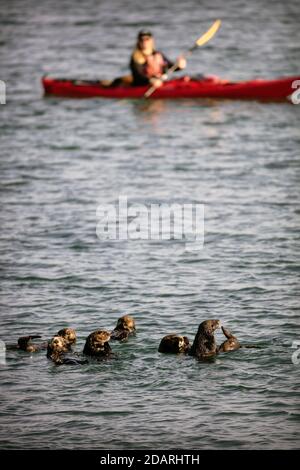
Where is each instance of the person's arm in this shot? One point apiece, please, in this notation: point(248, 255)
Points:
point(180, 62)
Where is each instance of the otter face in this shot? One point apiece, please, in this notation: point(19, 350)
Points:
point(126, 323)
point(97, 343)
point(57, 345)
point(174, 344)
point(209, 326)
point(69, 335)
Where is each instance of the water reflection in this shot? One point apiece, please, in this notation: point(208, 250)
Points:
point(207, 114)
point(149, 110)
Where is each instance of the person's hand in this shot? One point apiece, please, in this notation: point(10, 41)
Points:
point(181, 62)
point(156, 82)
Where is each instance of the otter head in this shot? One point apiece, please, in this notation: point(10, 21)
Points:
point(208, 327)
point(204, 344)
point(69, 335)
point(97, 343)
point(56, 347)
point(126, 323)
point(174, 344)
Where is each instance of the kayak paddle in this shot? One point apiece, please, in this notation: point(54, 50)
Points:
point(200, 42)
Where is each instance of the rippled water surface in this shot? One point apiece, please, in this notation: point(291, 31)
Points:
point(60, 159)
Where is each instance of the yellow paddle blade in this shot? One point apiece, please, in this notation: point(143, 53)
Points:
point(209, 33)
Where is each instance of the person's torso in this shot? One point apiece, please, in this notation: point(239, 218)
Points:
point(153, 64)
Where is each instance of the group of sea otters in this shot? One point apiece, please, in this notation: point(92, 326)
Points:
point(59, 348)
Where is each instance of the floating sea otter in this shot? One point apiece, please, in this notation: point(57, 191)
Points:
point(96, 344)
point(125, 327)
point(204, 345)
point(57, 349)
point(25, 344)
point(231, 344)
point(174, 344)
point(61, 344)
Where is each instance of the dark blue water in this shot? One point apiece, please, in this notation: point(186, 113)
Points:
point(60, 159)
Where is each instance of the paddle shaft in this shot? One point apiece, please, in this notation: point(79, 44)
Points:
point(200, 42)
point(184, 56)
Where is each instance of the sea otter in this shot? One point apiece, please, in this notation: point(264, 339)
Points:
point(57, 348)
point(231, 344)
point(125, 327)
point(96, 344)
point(204, 345)
point(24, 344)
point(174, 344)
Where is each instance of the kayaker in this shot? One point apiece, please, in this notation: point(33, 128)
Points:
point(148, 65)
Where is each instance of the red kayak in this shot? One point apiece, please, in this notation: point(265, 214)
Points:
point(210, 87)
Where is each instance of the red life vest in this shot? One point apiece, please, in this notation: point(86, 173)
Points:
point(154, 65)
